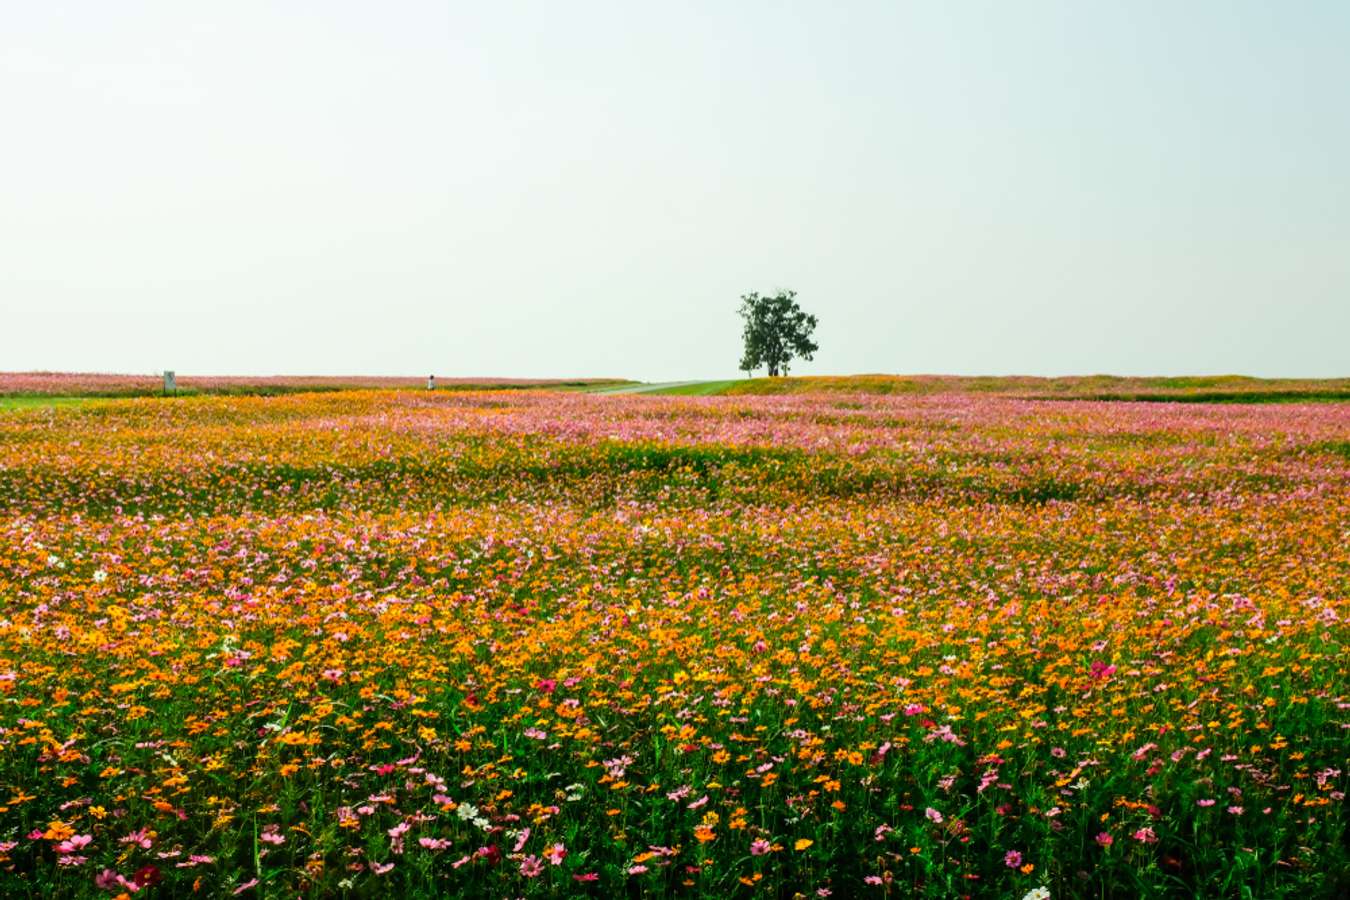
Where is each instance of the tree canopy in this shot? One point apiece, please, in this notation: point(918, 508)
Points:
point(776, 330)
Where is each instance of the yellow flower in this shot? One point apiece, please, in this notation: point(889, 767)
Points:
point(802, 844)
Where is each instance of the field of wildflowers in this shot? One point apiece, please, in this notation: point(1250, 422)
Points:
point(77, 384)
point(507, 644)
point(1185, 389)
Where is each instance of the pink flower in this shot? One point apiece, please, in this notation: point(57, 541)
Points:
point(521, 841)
point(1205, 802)
point(531, 867)
point(556, 854)
point(76, 842)
point(380, 868)
point(194, 860)
point(589, 876)
point(1235, 810)
point(140, 838)
point(636, 870)
point(759, 847)
point(433, 843)
point(245, 886)
point(1105, 840)
point(1100, 670)
point(933, 815)
point(1012, 859)
point(108, 880)
point(1145, 835)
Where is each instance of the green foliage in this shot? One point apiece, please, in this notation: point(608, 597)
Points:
point(776, 330)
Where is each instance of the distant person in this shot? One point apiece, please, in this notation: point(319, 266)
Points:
point(431, 382)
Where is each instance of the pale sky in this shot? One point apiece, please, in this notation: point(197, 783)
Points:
point(580, 188)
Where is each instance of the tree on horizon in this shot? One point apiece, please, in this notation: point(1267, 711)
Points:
point(776, 329)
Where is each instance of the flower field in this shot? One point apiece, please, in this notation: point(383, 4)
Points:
point(553, 644)
point(68, 384)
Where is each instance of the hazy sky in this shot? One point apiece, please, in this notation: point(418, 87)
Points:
point(580, 188)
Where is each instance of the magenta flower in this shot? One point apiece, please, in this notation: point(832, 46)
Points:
point(1012, 859)
point(1100, 670)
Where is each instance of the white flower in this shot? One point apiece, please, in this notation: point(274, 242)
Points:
point(100, 576)
point(1040, 893)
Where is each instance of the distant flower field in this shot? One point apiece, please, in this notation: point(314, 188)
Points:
point(76, 384)
point(546, 644)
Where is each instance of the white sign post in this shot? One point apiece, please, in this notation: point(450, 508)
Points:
point(170, 385)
